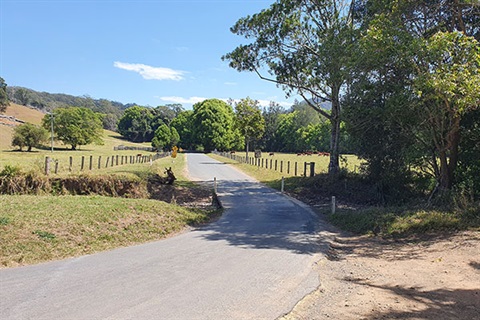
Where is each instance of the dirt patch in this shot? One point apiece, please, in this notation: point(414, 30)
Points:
point(192, 197)
point(372, 278)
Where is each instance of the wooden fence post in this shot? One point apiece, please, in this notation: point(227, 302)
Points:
point(288, 167)
point(91, 163)
point(99, 162)
point(106, 162)
point(56, 167)
point(275, 164)
point(116, 160)
point(296, 166)
point(281, 165)
point(71, 164)
point(312, 169)
point(47, 165)
point(82, 164)
point(111, 164)
point(305, 169)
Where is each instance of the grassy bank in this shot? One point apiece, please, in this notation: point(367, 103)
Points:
point(41, 228)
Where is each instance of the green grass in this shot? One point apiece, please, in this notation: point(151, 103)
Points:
point(34, 229)
point(348, 162)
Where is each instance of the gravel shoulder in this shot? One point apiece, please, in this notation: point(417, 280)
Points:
point(373, 278)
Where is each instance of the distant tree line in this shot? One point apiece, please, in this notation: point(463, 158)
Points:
point(216, 124)
point(47, 102)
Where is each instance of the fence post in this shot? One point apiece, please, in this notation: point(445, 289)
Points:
point(333, 205)
point(56, 167)
point(275, 164)
point(99, 162)
point(281, 165)
point(71, 164)
point(288, 167)
point(305, 169)
point(91, 163)
point(47, 165)
point(111, 165)
point(312, 169)
point(296, 166)
point(271, 161)
point(116, 160)
point(82, 164)
point(283, 184)
point(106, 162)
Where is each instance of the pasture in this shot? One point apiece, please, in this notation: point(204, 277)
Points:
point(286, 162)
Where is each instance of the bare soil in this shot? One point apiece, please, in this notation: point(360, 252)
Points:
point(372, 278)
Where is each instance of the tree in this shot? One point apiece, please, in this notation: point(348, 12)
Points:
point(183, 125)
point(75, 126)
point(249, 120)
point(306, 47)
point(271, 115)
point(3, 95)
point(22, 96)
point(447, 84)
point(213, 122)
point(136, 124)
point(162, 137)
point(29, 135)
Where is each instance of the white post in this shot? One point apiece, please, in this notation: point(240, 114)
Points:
point(215, 185)
point(333, 204)
point(283, 184)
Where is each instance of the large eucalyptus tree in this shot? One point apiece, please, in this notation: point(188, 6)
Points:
point(304, 46)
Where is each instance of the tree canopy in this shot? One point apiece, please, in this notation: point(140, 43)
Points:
point(3, 95)
point(249, 120)
point(75, 126)
point(213, 121)
point(29, 135)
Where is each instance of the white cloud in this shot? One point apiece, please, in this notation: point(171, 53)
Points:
point(191, 100)
point(151, 73)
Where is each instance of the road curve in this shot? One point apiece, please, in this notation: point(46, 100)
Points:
point(256, 262)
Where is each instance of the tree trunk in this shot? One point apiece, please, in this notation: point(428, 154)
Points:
point(334, 165)
point(448, 162)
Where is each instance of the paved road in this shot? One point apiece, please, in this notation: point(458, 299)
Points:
point(255, 262)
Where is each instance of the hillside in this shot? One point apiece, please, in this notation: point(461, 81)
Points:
point(20, 114)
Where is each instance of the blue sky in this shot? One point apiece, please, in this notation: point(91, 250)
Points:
point(146, 52)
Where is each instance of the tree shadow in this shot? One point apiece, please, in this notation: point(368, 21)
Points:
point(262, 218)
point(474, 265)
point(433, 304)
point(390, 249)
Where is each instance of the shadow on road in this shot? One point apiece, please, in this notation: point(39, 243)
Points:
point(259, 217)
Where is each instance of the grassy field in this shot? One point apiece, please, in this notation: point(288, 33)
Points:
point(347, 161)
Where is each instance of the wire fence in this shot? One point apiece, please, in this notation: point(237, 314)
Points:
point(89, 163)
point(305, 169)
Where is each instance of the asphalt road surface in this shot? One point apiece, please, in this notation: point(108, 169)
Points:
point(256, 262)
